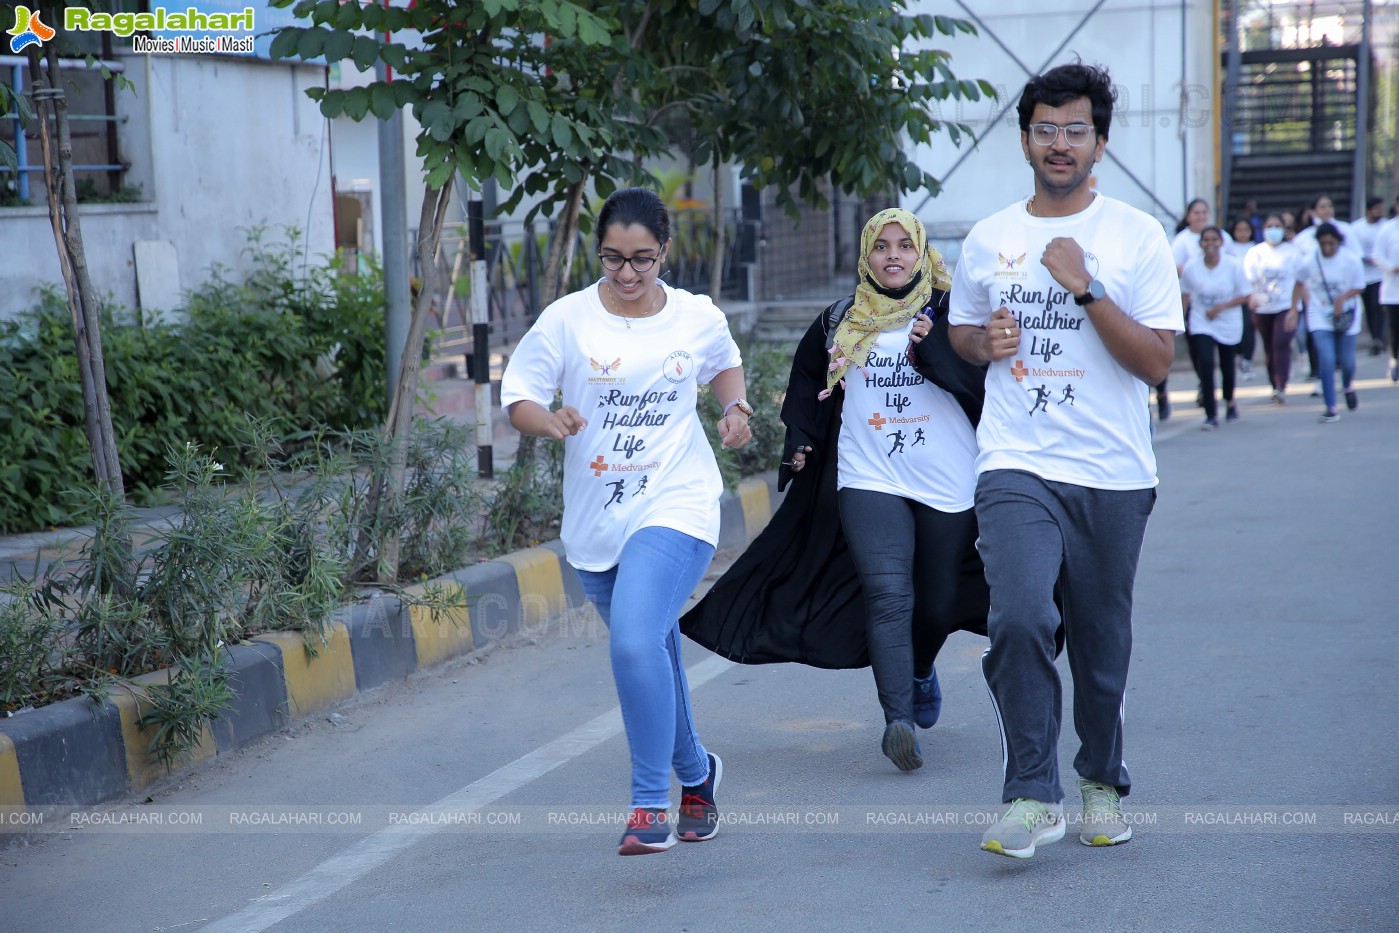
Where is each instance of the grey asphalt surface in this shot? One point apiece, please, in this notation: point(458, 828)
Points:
point(1262, 735)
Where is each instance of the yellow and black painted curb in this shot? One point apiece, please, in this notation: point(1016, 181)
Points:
point(79, 753)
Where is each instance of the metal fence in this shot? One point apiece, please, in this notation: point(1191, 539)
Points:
point(516, 254)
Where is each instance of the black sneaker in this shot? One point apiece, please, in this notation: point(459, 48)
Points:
point(647, 831)
point(1232, 414)
point(699, 815)
point(1352, 400)
point(900, 745)
point(1163, 408)
point(927, 700)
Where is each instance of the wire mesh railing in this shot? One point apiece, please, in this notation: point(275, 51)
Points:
point(516, 254)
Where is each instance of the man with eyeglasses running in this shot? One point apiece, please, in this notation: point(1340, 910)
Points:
point(1065, 288)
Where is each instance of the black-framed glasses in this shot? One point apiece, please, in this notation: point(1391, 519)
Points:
point(612, 262)
point(1075, 134)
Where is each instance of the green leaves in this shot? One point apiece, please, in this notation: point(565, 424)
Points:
point(365, 52)
point(794, 91)
point(506, 99)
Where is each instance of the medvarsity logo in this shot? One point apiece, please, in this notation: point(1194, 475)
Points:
point(28, 30)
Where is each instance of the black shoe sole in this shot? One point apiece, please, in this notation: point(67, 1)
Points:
point(901, 746)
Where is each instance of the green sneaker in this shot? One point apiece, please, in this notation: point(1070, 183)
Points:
point(1026, 824)
point(1103, 824)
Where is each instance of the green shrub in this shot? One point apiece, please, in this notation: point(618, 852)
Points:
point(30, 667)
point(765, 369)
point(526, 505)
point(295, 345)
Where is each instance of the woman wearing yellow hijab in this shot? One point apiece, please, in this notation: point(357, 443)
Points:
point(871, 558)
point(881, 307)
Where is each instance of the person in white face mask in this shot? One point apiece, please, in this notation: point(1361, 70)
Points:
point(1271, 268)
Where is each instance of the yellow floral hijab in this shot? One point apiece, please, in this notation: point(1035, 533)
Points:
point(875, 311)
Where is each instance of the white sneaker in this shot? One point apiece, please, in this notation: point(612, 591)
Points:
point(1027, 823)
point(1103, 824)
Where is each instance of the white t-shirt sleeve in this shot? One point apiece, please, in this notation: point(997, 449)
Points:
point(720, 352)
point(1155, 300)
point(535, 370)
point(969, 301)
point(1190, 280)
point(1387, 258)
point(1241, 286)
point(1180, 248)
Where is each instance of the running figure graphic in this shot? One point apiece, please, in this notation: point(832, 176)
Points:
point(1041, 398)
point(617, 487)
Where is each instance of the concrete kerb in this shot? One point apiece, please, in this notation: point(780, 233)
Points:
point(77, 753)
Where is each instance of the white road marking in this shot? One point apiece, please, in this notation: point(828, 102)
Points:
point(372, 851)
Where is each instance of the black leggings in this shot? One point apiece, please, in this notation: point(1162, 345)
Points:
point(909, 558)
point(1203, 356)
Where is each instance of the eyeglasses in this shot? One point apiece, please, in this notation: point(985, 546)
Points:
point(1075, 134)
point(612, 262)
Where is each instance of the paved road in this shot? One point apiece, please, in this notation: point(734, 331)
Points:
point(1263, 736)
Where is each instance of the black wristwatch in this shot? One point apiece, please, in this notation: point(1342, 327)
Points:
point(1095, 292)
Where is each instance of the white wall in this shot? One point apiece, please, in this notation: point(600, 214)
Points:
point(216, 144)
point(1169, 148)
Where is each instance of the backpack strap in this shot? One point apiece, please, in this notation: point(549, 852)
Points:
point(834, 315)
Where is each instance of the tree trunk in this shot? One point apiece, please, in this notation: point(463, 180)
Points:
point(62, 198)
point(560, 262)
point(716, 267)
point(386, 489)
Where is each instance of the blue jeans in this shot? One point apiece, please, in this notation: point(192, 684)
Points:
point(640, 601)
point(1330, 347)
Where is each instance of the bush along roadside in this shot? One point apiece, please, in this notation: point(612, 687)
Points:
point(264, 554)
point(295, 344)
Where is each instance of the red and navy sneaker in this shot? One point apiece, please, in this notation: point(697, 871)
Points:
point(699, 815)
point(648, 830)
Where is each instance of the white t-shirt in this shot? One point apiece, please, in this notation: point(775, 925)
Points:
point(1305, 240)
point(643, 459)
point(1364, 235)
point(1209, 287)
point(1062, 407)
point(1330, 278)
point(1386, 256)
point(903, 435)
point(1272, 273)
point(1236, 249)
point(1185, 248)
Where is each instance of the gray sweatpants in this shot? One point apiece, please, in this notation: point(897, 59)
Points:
point(1034, 533)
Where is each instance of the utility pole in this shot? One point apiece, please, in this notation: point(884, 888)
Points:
point(1360, 185)
point(480, 338)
